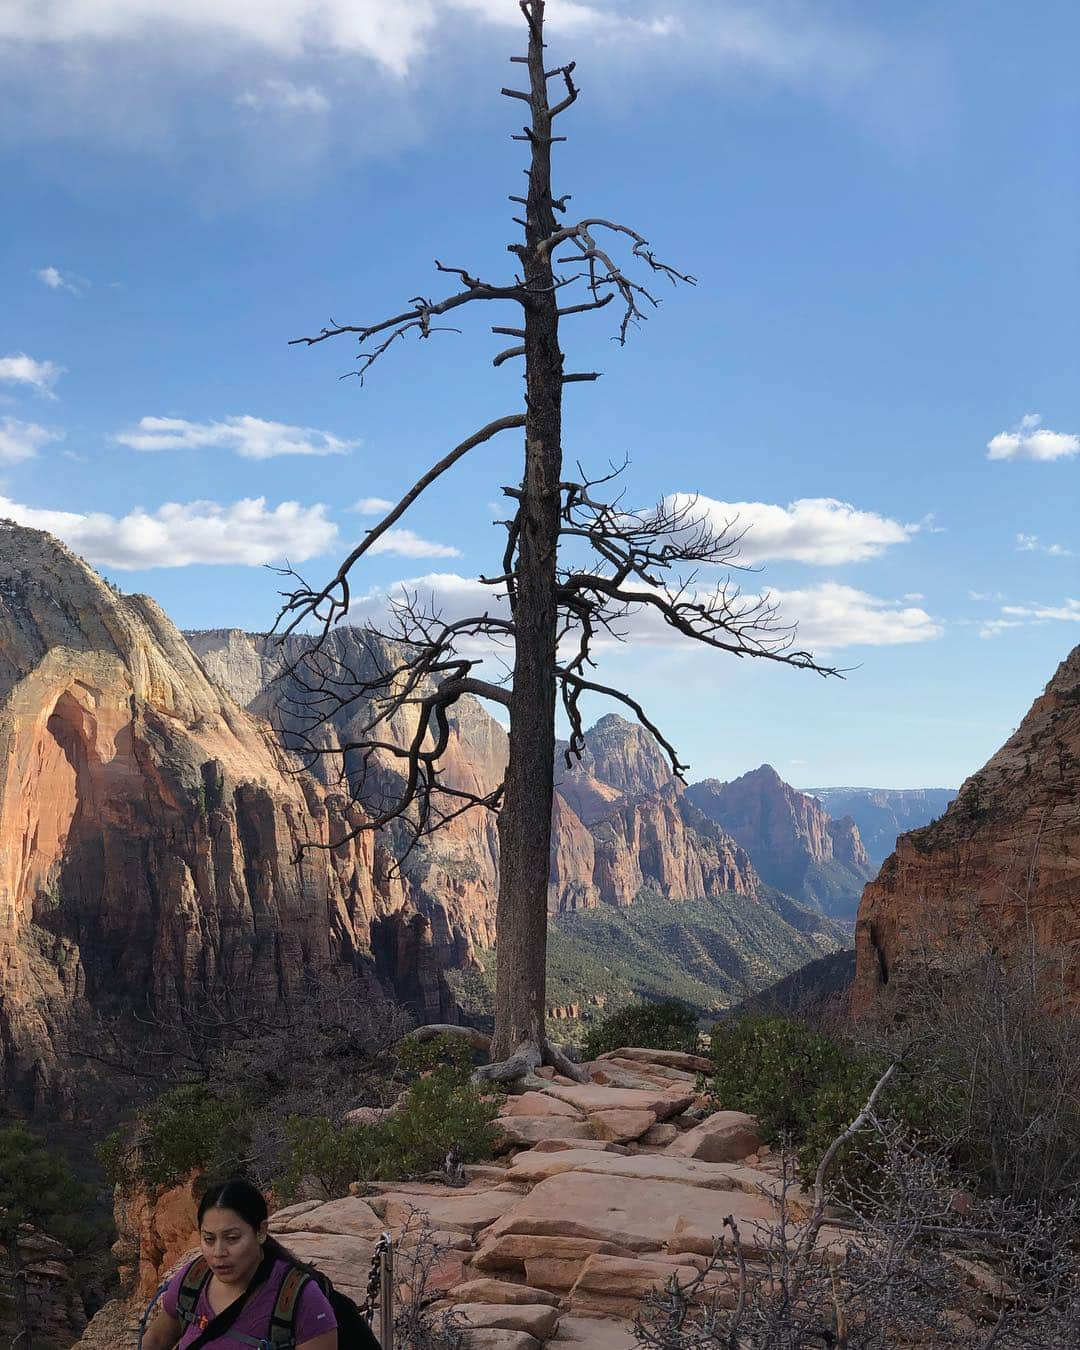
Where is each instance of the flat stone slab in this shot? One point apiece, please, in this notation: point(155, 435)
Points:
point(594, 1145)
point(532, 1129)
point(344, 1259)
point(546, 1262)
point(534, 1166)
point(589, 1097)
point(725, 1136)
point(671, 1059)
point(620, 1126)
point(459, 1211)
point(502, 1291)
point(616, 1285)
point(348, 1215)
point(659, 1073)
point(635, 1213)
point(538, 1104)
point(498, 1338)
point(535, 1319)
point(578, 1332)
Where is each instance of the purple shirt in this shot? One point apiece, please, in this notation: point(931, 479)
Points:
point(314, 1315)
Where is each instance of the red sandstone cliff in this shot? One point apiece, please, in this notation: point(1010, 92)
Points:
point(1000, 868)
point(148, 825)
point(796, 846)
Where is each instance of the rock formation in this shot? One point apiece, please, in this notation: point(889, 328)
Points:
point(150, 827)
point(883, 814)
point(795, 845)
point(1000, 869)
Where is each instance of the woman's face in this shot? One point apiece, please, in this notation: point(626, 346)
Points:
point(233, 1249)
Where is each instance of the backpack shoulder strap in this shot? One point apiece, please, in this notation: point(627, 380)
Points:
point(195, 1280)
point(285, 1305)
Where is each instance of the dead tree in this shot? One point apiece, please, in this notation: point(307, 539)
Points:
point(547, 612)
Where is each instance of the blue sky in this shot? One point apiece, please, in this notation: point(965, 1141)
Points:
point(877, 367)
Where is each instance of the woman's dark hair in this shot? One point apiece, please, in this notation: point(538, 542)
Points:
point(239, 1195)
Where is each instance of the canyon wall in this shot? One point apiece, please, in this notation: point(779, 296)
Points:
point(1000, 869)
point(796, 845)
point(150, 828)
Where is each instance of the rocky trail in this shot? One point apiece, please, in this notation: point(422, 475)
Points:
point(605, 1189)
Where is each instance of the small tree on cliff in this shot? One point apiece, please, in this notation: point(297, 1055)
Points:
point(546, 610)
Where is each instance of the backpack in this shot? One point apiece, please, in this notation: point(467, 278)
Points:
point(354, 1333)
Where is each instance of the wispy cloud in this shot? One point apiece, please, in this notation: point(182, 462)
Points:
point(282, 96)
point(178, 534)
point(56, 280)
point(1031, 614)
point(406, 544)
point(1031, 440)
point(19, 368)
point(247, 436)
point(817, 530)
point(371, 506)
point(1031, 543)
point(23, 440)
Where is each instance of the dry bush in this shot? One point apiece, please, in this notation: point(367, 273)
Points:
point(915, 1261)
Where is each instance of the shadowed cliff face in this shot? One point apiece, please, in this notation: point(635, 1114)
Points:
point(796, 846)
point(1000, 869)
point(149, 828)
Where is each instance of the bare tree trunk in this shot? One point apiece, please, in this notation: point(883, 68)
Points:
point(525, 820)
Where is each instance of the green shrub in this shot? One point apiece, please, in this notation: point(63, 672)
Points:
point(188, 1128)
point(772, 1068)
point(441, 1110)
point(667, 1025)
point(807, 1088)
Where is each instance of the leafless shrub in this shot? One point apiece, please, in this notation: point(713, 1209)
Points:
point(417, 1324)
point(914, 1261)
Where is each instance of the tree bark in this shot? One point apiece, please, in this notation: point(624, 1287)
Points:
point(525, 818)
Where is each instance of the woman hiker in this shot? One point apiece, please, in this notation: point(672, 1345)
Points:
point(245, 1289)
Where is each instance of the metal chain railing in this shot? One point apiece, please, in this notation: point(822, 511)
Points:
point(380, 1289)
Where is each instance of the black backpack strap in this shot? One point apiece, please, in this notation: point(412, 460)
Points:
point(195, 1280)
point(283, 1318)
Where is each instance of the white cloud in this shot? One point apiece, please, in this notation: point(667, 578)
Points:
point(371, 506)
point(177, 534)
point(1033, 613)
point(278, 95)
point(817, 530)
point(22, 369)
point(1031, 440)
point(393, 66)
point(406, 544)
point(1031, 543)
point(56, 280)
point(22, 440)
point(249, 437)
point(829, 616)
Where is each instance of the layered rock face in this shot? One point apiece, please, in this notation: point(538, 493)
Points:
point(796, 846)
point(625, 826)
point(150, 828)
point(1000, 869)
point(621, 823)
point(883, 814)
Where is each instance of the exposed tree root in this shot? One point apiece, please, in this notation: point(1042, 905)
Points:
point(519, 1070)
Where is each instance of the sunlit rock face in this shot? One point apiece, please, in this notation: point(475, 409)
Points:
point(1000, 869)
point(150, 829)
